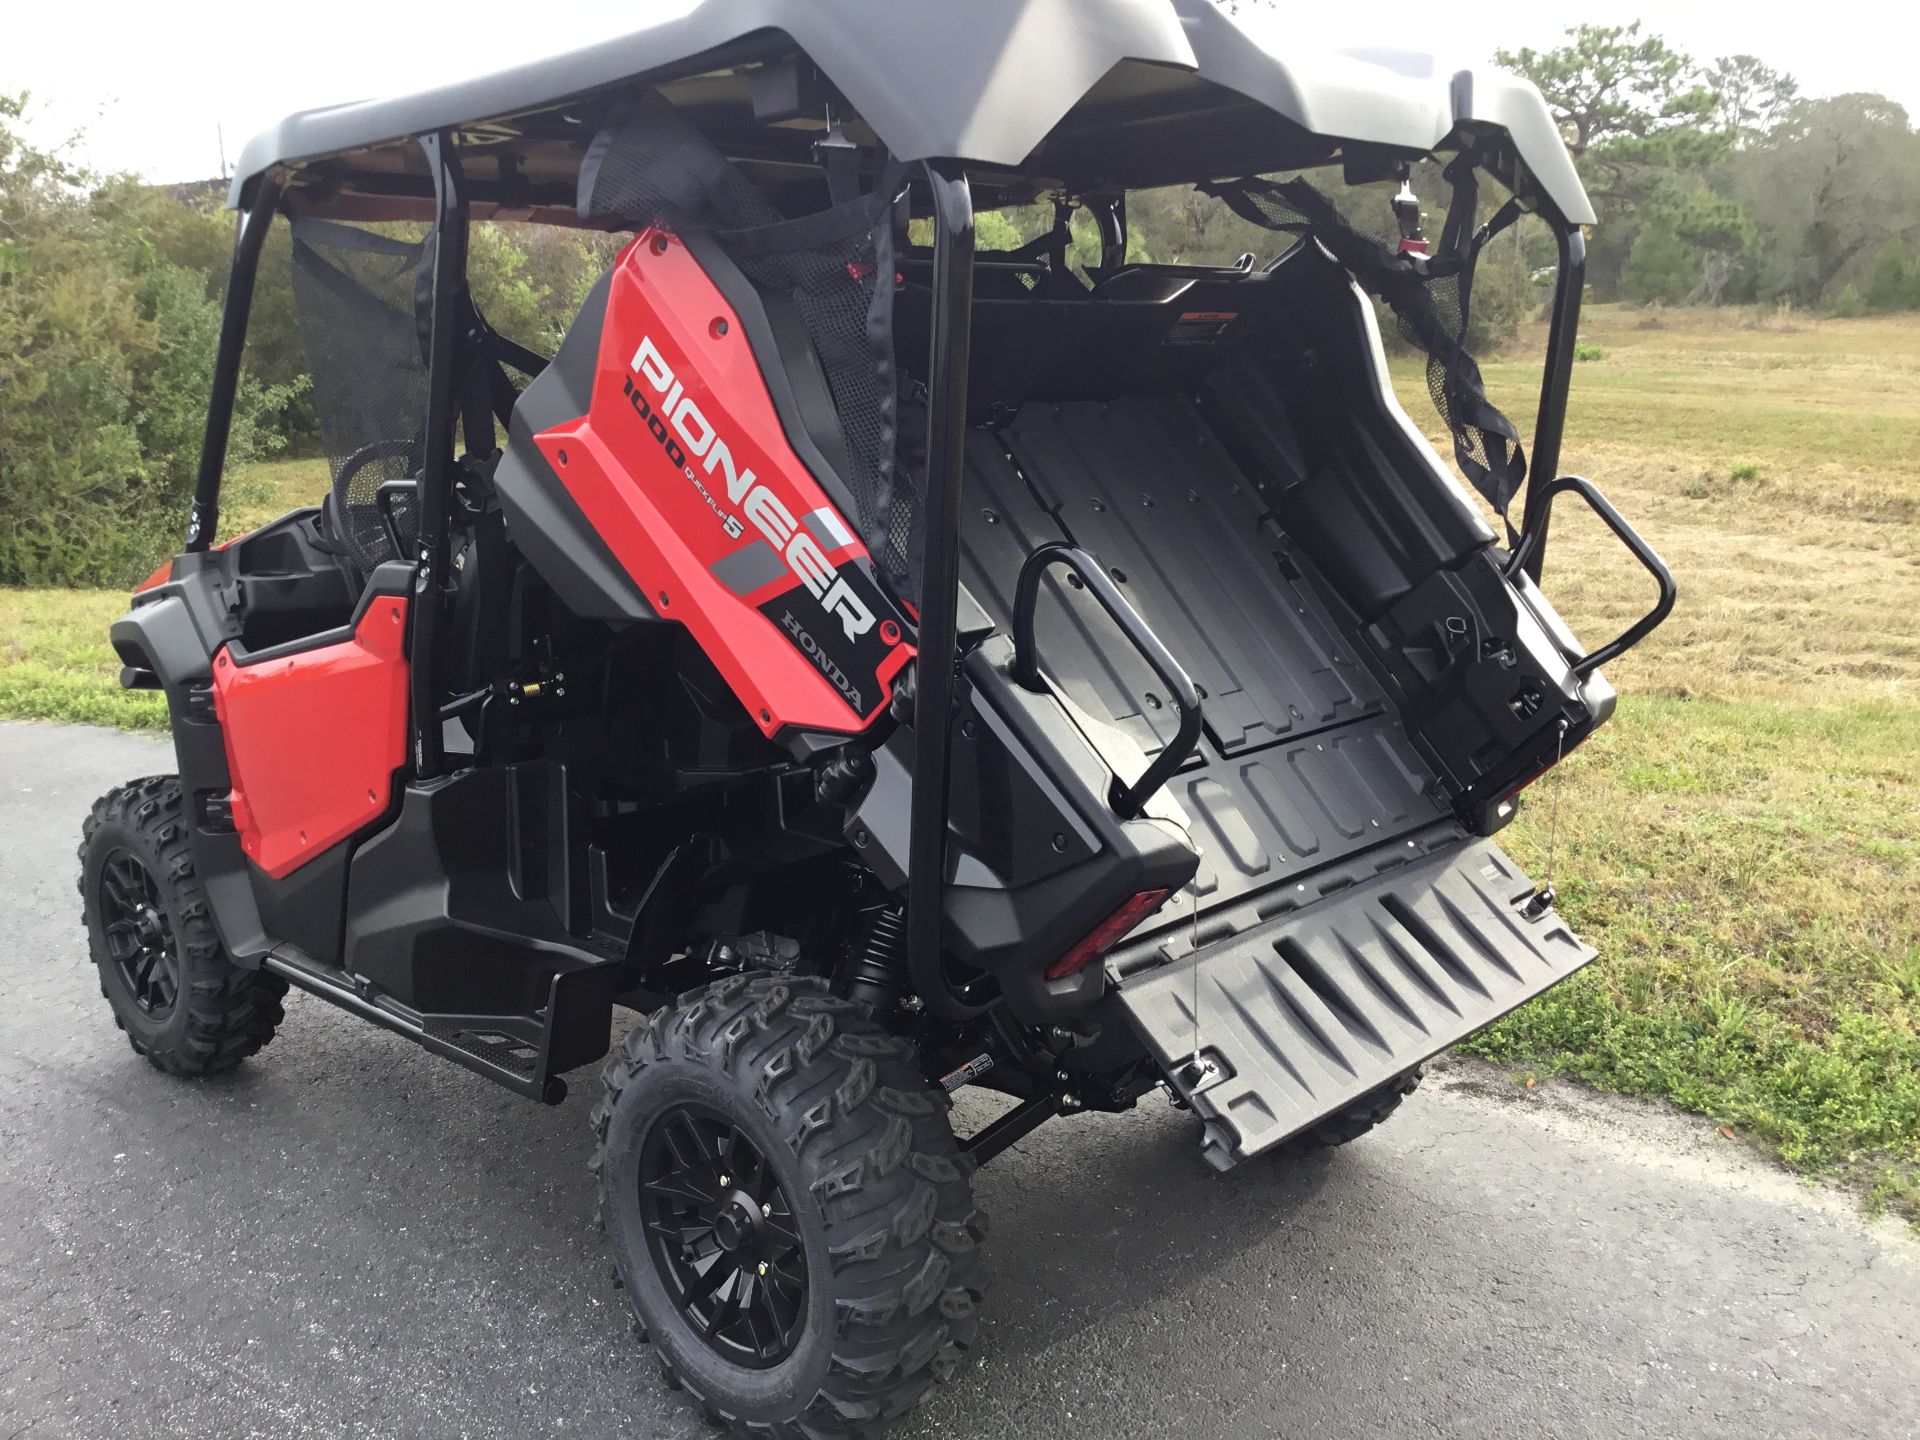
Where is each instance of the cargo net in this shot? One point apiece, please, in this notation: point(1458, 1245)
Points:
point(354, 291)
point(650, 166)
point(1429, 300)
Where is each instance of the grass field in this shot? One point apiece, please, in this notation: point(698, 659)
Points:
point(1743, 842)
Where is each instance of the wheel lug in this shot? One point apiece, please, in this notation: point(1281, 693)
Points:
point(726, 1180)
point(767, 1209)
point(761, 1268)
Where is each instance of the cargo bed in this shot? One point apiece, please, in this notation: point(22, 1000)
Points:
point(1302, 764)
point(1343, 924)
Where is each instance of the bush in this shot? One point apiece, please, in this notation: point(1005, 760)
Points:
point(1587, 350)
point(1894, 283)
point(1661, 267)
point(1847, 303)
point(106, 349)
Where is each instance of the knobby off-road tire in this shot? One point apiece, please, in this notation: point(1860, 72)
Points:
point(1344, 1126)
point(860, 1163)
point(182, 1003)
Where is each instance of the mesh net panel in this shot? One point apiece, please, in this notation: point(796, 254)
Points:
point(1428, 302)
point(354, 292)
point(652, 167)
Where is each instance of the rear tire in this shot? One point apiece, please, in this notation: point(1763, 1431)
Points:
point(183, 1004)
point(1345, 1126)
point(808, 1112)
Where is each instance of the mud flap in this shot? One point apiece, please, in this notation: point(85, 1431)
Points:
point(1305, 1014)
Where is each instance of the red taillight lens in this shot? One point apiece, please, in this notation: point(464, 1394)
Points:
point(1104, 936)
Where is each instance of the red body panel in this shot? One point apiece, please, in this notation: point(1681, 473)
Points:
point(682, 466)
point(313, 738)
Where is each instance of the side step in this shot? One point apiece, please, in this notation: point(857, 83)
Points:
point(1303, 1015)
point(525, 1053)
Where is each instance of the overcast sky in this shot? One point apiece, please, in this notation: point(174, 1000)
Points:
point(156, 85)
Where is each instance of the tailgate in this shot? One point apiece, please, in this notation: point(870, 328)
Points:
point(1308, 1012)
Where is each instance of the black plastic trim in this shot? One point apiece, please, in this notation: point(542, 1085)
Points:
point(395, 577)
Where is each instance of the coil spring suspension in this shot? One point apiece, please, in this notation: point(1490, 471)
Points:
point(876, 965)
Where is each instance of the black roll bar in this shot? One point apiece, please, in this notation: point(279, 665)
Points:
point(1551, 423)
point(940, 584)
point(204, 519)
point(444, 348)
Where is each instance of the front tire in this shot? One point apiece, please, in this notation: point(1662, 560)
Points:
point(789, 1211)
point(183, 1004)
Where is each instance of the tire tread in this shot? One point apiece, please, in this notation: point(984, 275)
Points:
point(872, 1138)
point(231, 1013)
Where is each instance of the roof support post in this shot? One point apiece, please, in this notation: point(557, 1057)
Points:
point(1551, 422)
point(939, 582)
point(204, 519)
point(445, 348)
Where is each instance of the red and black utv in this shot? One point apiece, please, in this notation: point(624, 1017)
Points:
point(887, 666)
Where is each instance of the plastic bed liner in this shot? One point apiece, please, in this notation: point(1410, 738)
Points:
point(1302, 764)
point(1348, 926)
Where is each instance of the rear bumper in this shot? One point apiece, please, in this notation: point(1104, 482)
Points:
point(1303, 1015)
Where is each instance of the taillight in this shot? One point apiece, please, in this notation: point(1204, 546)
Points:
point(1104, 936)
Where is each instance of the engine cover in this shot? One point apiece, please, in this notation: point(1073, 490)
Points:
point(683, 468)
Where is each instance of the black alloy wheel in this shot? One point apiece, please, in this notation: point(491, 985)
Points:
point(163, 970)
point(790, 1214)
point(139, 936)
point(723, 1234)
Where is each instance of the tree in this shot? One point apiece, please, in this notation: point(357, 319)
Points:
point(1750, 97)
point(1661, 267)
point(1895, 281)
point(1828, 188)
point(1608, 81)
point(1713, 233)
point(1639, 122)
point(106, 349)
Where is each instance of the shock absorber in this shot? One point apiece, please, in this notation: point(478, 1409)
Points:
point(876, 963)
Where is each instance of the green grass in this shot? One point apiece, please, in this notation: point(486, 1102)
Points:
point(1742, 843)
point(1751, 874)
point(55, 663)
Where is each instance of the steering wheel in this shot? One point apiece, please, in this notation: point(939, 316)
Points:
point(361, 523)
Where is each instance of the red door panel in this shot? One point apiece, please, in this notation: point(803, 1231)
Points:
point(313, 738)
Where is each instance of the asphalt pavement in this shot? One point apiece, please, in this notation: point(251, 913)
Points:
point(349, 1237)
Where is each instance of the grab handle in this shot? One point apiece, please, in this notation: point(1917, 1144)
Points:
point(1127, 800)
point(1648, 557)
